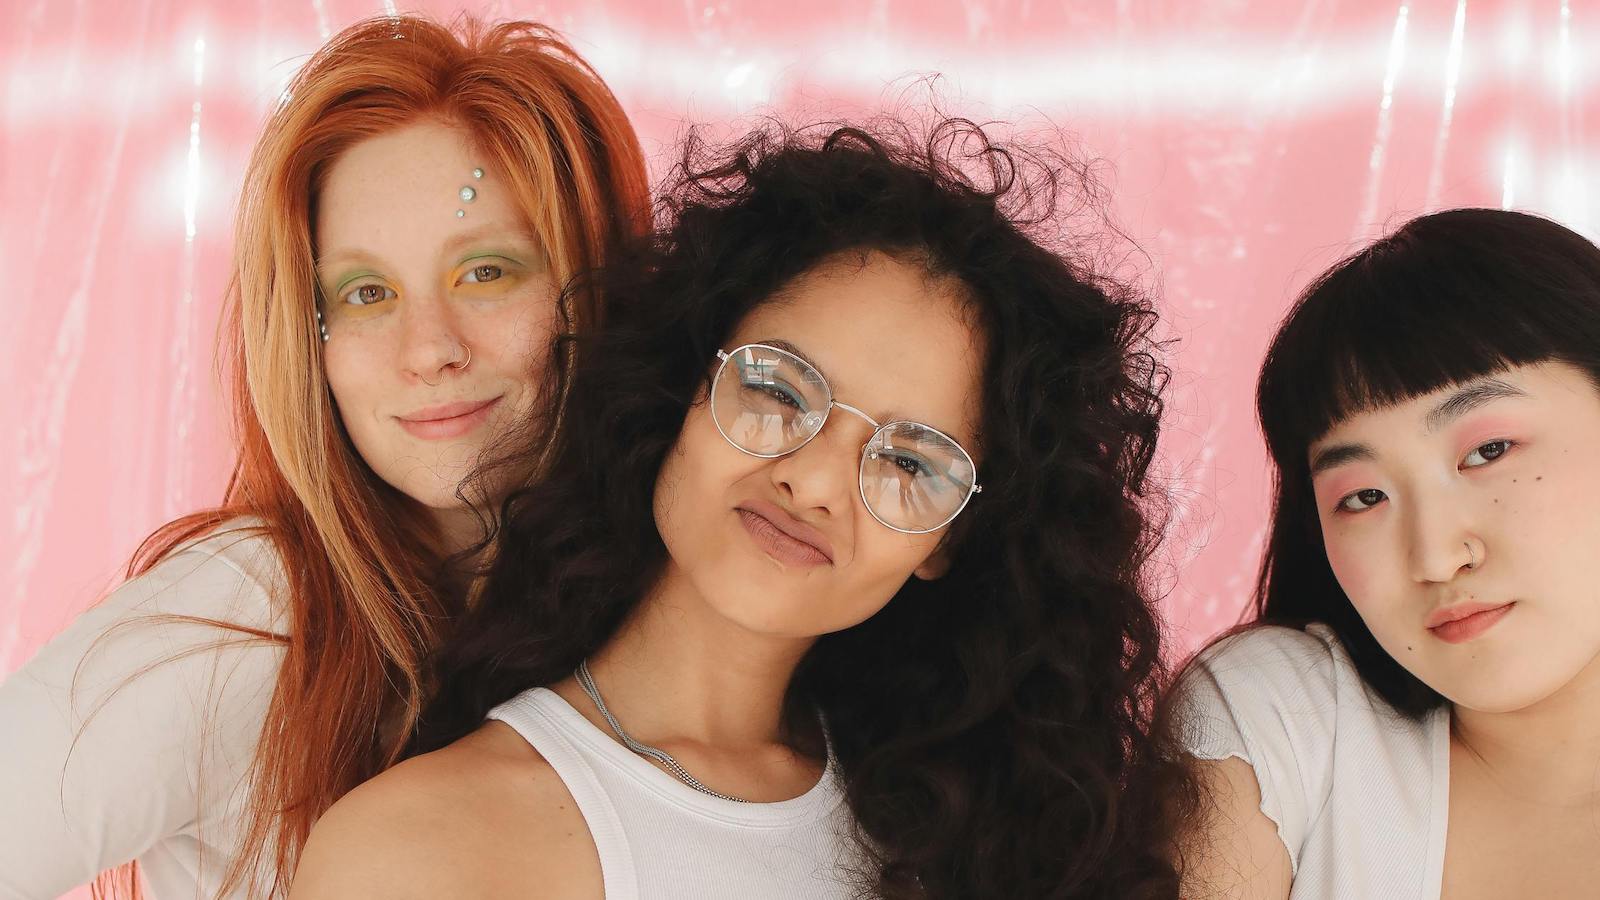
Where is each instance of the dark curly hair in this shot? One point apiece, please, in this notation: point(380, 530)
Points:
point(993, 728)
point(1448, 297)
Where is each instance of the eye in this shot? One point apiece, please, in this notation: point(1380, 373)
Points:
point(1484, 454)
point(910, 465)
point(483, 274)
point(782, 395)
point(1361, 500)
point(774, 390)
point(368, 294)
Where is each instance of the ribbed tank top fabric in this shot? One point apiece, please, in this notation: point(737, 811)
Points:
point(660, 839)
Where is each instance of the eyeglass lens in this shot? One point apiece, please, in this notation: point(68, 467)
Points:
point(769, 402)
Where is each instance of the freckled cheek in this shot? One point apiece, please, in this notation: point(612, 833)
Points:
point(517, 337)
point(355, 373)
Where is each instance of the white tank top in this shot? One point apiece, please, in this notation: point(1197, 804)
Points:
point(660, 839)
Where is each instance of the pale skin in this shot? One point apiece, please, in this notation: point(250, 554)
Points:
point(1485, 493)
point(700, 668)
point(409, 290)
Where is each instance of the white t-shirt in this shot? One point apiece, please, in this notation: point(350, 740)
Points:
point(1359, 792)
point(130, 737)
point(660, 839)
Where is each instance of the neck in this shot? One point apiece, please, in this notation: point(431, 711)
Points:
point(1547, 751)
point(677, 670)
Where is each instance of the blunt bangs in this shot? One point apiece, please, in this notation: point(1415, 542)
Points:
point(1448, 298)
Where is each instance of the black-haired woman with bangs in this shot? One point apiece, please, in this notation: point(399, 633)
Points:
point(833, 585)
point(1416, 711)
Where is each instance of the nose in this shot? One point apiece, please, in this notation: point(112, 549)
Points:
point(1441, 543)
point(431, 347)
point(822, 475)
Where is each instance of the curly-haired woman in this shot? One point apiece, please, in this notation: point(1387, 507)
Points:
point(834, 582)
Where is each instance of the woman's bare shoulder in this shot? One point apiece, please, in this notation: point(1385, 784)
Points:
point(486, 816)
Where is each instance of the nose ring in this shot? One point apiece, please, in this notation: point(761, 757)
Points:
point(464, 363)
point(1472, 559)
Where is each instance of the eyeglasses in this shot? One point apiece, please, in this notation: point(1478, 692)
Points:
point(769, 402)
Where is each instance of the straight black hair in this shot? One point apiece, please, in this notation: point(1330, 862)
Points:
point(1447, 298)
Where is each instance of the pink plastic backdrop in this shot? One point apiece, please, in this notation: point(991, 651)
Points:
point(1247, 143)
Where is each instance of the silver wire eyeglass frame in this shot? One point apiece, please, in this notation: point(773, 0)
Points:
point(816, 421)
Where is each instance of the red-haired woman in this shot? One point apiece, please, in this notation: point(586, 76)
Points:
point(407, 220)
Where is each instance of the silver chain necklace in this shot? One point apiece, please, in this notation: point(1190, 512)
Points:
point(586, 681)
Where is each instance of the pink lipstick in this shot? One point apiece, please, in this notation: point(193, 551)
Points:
point(449, 420)
point(783, 537)
point(1465, 621)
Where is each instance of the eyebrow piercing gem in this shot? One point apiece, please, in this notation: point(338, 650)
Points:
point(468, 194)
point(322, 327)
point(461, 213)
point(477, 173)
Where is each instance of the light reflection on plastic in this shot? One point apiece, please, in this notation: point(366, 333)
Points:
point(1239, 146)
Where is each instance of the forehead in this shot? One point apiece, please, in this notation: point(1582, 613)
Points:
point(398, 192)
point(888, 337)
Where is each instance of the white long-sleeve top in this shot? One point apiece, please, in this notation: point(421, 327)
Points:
point(130, 735)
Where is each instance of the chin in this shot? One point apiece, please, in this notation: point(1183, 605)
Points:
point(799, 617)
point(1491, 689)
point(438, 494)
point(767, 618)
point(773, 613)
point(1495, 700)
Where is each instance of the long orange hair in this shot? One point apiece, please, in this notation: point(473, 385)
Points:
point(364, 607)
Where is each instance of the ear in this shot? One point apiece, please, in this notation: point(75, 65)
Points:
point(935, 566)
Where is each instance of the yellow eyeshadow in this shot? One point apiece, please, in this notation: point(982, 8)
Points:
point(511, 272)
point(341, 305)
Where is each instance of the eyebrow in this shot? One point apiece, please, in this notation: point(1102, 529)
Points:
point(451, 245)
point(785, 345)
point(1337, 455)
point(1468, 398)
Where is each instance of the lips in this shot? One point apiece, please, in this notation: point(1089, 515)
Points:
point(446, 410)
point(447, 420)
point(1465, 621)
point(783, 536)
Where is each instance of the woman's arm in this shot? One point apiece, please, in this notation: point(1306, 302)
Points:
point(1258, 712)
point(130, 727)
point(1235, 852)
